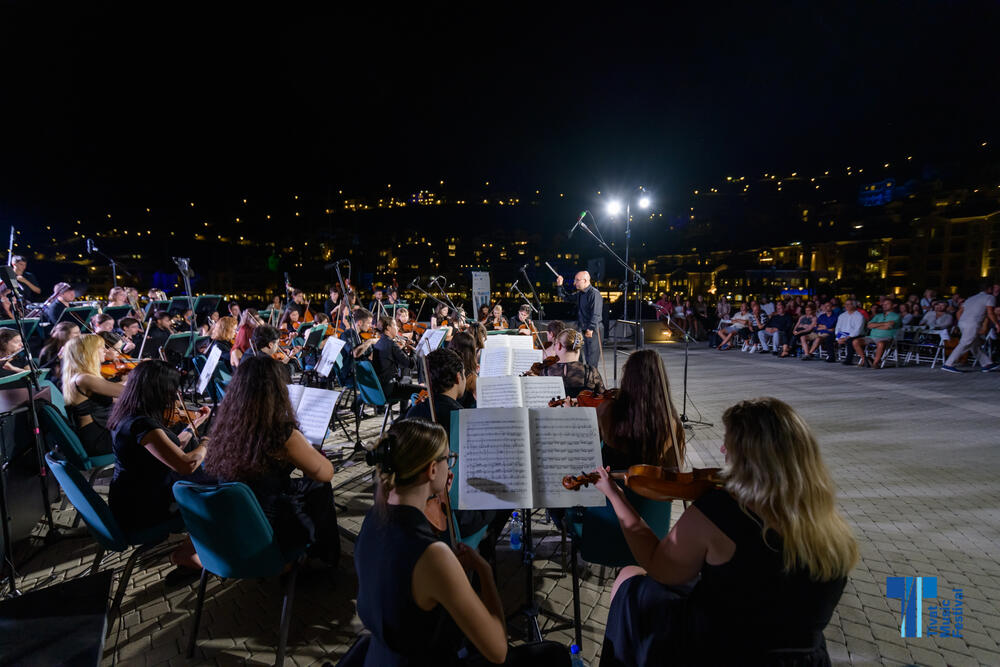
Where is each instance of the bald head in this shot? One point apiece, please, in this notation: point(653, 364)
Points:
point(582, 280)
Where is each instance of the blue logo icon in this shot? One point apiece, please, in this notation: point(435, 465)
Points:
point(911, 591)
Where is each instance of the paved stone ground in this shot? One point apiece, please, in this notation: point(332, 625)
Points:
point(913, 451)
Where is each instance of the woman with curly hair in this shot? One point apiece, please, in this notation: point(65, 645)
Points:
point(256, 440)
point(752, 572)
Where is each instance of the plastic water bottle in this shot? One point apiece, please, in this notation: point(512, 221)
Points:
point(516, 529)
point(575, 659)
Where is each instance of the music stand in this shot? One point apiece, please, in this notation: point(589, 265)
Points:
point(79, 315)
point(206, 304)
point(315, 335)
point(178, 305)
point(154, 306)
point(182, 344)
point(118, 312)
point(30, 326)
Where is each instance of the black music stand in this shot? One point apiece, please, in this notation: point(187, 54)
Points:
point(154, 306)
point(79, 315)
point(118, 312)
point(30, 326)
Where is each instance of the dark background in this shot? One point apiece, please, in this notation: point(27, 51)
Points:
point(105, 106)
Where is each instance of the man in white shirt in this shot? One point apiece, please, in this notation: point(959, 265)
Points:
point(970, 317)
point(850, 325)
point(937, 318)
point(767, 306)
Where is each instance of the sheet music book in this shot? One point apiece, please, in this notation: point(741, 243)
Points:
point(509, 458)
point(518, 392)
point(314, 409)
point(431, 340)
point(517, 341)
point(209, 369)
point(497, 361)
point(331, 350)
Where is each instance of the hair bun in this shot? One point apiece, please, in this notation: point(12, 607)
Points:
point(381, 454)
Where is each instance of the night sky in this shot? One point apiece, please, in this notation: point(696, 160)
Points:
point(104, 107)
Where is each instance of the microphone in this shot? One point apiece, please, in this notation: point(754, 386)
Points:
point(523, 267)
point(90, 246)
point(579, 221)
point(514, 286)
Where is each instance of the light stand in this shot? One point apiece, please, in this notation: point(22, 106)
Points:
point(688, 423)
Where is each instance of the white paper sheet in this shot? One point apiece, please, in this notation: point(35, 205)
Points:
point(564, 441)
point(331, 350)
point(209, 369)
point(494, 459)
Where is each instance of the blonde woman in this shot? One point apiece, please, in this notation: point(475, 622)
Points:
point(413, 592)
point(772, 552)
point(88, 396)
point(576, 374)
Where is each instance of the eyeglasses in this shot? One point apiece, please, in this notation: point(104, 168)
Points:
point(451, 458)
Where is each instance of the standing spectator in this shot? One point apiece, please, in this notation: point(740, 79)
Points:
point(850, 325)
point(970, 317)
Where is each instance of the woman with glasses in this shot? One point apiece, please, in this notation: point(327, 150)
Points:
point(413, 591)
point(256, 440)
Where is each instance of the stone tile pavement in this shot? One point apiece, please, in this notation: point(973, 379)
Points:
point(915, 454)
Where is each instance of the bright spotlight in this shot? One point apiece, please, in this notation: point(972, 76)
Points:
point(614, 207)
point(643, 202)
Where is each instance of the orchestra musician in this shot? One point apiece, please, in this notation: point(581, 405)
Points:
point(101, 322)
point(11, 347)
point(358, 342)
point(256, 440)
point(50, 355)
point(641, 425)
point(222, 335)
point(413, 592)
point(130, 328)
point(376, 306)
point(159, 332)
point(391, 360)
point(241, 343)
point(552, 331)
point(576, 374)
point(484, 313)
point(464, 345)
point(589, 302)
point(298, 304)
point(150, 457)
point(496, 320)
point(439, 318)
point(62, 295)
point(234, 310)
point(332, 303)
point(156, 294)
point(6, 307)
point(27, 284)
point(402, 317)
point(770, 548)
point(88, 396)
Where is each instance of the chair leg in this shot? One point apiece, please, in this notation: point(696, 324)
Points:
point(126, 575)
point(385, 419)
point(286, 615)
point(197, 613)
point(577, 626)
point(97, 560)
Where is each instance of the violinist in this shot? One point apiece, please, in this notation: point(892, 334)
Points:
point(358, 342)
point(266, 343)
point(101, 322)
point(27, 284)
point(256, 440)
point(62, 295)
point(770, 547)
point(641, 424)
point(576, 374)
point(439, 319)
point(525, 327)
point(496, 320)
point(88, 396)
point(464, 345)
point(413, 592)
point(289, 324)
point(552, 331)
point(50, 356)
point(298, 304)
point(222, 335)
point(159, 332)
point(332, 303)
point(241, 343)
point(478, 332)
point(129, 327)
point(484, 314)
point(11, 347)
point(6, 307)
point(376, 306)
point(391, 362)
point(449, 383)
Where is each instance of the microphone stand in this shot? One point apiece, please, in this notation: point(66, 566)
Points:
point(538, 302)
point(428, 295)
point(184, 268)
point(687, 423)
point(114, 265)
point(444, 293)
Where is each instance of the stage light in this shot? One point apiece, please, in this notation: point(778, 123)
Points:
point(614, 207)
point(643, 202)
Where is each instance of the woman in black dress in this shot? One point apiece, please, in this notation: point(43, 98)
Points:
point(413, 592)
point(255, 440)
point(149, 456)
point(576, 374)
point(89, 397)
point(771, 549)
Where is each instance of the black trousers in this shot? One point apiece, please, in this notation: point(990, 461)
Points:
point(830, 345)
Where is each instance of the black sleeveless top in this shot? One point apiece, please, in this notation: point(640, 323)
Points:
point(385, 554)
point(749, 603)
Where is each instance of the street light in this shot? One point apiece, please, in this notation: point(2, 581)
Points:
point(614, 207)
point(644, 202)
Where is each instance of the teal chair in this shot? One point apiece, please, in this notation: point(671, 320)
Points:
point(234, 541)
point(57, 396)
point(60, 437)
point(369, 393)
point(103, 527)
point(596, 536)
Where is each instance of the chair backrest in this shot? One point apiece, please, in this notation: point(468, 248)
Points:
point(229, 529)
point(603, 541)
point(369, 388)
point(92, 508)
point(60, 436)
point(57, 398)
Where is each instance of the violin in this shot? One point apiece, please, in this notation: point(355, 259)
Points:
point(117, 368)
point(414, 328)
point(539, 367)
point(656, 482)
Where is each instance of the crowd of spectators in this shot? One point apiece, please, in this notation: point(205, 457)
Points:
point(846, 329)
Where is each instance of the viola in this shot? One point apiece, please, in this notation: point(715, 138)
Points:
point(657, 482)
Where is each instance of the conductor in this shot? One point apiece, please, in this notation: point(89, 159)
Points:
point(588, 314)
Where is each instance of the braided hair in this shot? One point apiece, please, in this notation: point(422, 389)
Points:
point(571, 339)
